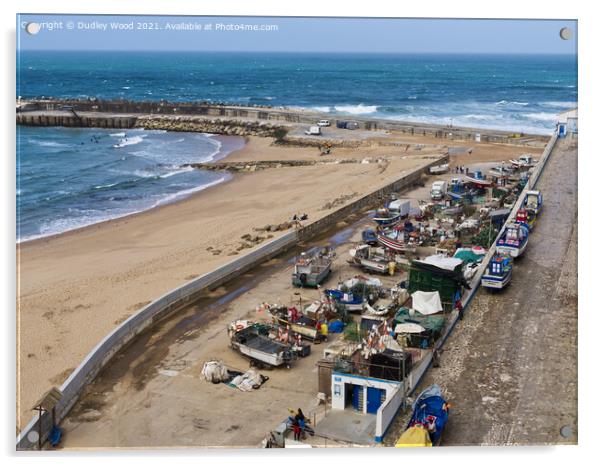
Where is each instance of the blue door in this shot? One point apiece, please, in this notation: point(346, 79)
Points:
point(358, 397)
point(375, 397)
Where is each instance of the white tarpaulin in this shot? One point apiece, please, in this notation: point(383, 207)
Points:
point(368, 281)
point(426, 303)
point(440, 261)
point(409, 328)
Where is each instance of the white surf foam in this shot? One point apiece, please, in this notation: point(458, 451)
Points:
point(129, 141)
point(62, 225)
point(360, 109)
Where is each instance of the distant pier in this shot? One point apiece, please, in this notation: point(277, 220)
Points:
point(232, 120)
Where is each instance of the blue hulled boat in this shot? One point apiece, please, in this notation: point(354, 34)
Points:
point(499, 272)
point(513, 240)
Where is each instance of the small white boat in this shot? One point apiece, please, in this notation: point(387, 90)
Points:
point(524, 161)
point(533, 202)
point(367, 258)
point(386, 217)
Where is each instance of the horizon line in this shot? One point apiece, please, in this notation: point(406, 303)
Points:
point(343, 52)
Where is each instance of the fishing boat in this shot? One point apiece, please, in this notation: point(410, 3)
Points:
point(524, 161)
point(298, 322)
point(513, 240)
point(458, 190)
point(385, 217)
point(310, 271)
point(252, 340)
point(369, 259)
point(498, 273)
point(351, 302)
point(430, 413)
point(526, 217)
point(533, 202)
point(395, 240)
point(478, 180)
point(500, 171)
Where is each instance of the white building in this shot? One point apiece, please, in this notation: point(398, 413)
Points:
point(567, 123)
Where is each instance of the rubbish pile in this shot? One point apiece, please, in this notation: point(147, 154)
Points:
point(215, 371)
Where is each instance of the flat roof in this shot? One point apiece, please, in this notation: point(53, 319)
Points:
point(565, 115)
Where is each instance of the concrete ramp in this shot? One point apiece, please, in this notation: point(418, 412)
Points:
point(348, 426)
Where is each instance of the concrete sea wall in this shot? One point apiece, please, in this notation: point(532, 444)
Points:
point(177, 299)
point(276, 116)
point(384, 414)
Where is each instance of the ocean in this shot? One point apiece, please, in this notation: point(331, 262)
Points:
point(63, 184)
point(68, 178)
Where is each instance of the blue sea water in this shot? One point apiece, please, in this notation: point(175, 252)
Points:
point(69, 178)
point(64, 184)
point(515, 92)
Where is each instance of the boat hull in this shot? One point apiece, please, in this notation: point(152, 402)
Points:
point(372, 265)
point(388, 221)
point(512, 250)
point(392, 244)
point(495, 282)
point(269, 358)
point(311, 279)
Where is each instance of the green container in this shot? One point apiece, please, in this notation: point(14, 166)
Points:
point(422, 280)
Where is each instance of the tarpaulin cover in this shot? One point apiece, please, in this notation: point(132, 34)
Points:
point(468, 256)
point(415, 436)
point(335, 326)
point(409, 328)
point(430, 410)
point(442, 262)
point(432, 322)
point(432, 266)
point(426, 303)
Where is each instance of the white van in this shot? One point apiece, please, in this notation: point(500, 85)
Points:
point(438, 190)
point(324, 122)
point(314, 131)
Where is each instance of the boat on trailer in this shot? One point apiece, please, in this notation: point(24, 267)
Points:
point(298, 323)
point(533, 202)
point(310, 271)
point(395, 239)
point(385, 217)
point(252, 340)
point(513, 240)
point(498, 273)
point(351, 302)
point(369, 259)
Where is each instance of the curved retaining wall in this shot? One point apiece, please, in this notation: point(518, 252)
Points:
point(142, 320)
point(178, 298)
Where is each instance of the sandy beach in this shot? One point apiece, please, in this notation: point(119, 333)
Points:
point(76, 287)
